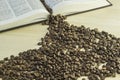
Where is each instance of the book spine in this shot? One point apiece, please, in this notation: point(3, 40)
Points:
point(47, 7)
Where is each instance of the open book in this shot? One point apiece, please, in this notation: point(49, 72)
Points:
point(15, 13)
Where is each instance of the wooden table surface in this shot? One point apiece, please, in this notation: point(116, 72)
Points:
point(21, 39)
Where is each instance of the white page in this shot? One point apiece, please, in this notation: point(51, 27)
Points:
point(52, 3)
point(10, 9)
point(18, 10)
point(55, 2)
point(67, 7)
point(19, 7)
point(35, 4)
point(5, 11)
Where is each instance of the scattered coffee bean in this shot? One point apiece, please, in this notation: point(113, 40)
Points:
point(67, 52)
point(83, 79)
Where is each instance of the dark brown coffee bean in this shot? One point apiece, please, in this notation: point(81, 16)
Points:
point(93, 77)
point(83, 79)
point(66, 52)
point(6, 59)
point(118, 71)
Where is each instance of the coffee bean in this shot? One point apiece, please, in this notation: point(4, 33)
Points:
point(93, 77)
point(6, 59)
point(66, 52)
point(83, 79)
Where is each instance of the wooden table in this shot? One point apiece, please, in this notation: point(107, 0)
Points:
point(18, 40)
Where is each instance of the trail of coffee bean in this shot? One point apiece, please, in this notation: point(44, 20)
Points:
point(67, 52)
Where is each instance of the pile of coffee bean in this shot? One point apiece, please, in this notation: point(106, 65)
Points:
point(67, 52)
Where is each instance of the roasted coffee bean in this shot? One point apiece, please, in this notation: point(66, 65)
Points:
point(6, 59)
point(118, 71)
point(67, 52)
point(93, 77)
point(83, 79)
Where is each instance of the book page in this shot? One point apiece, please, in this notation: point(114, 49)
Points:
point(13, 10)
point(35, 4)
point(19, 7)
point(67, 7)
point(14, 13)
point(5, 11)
point(52, 3)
